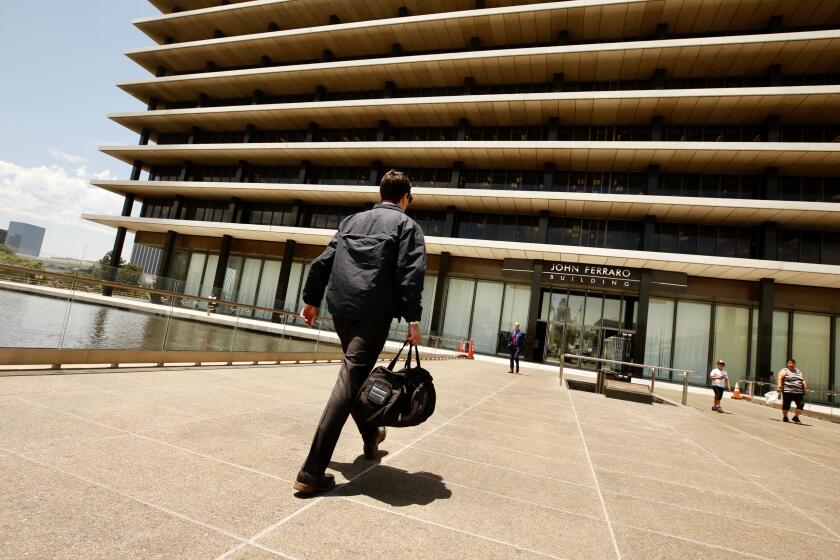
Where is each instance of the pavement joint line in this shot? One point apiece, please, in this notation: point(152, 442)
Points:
point(764, 441)
point(511, 450)
point(498, 433)
point(388, 457)
point(789, 503)
point(513, 498)
point(494, 413)
point(499, 422)
point(693, 541)
point(454, 529)
point(500, 467)
point(522, 407)
point(705, 511)
point(163, 443)
point(126, 495)
point(595, 478)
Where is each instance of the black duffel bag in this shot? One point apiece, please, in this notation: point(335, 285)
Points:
point(397, 398)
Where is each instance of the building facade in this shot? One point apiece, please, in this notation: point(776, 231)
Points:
point(25, 239)
point(655, 179)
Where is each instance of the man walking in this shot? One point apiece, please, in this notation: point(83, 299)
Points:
point(372, 272)
point(516, 342)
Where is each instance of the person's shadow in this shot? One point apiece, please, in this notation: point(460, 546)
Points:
point(390, 485)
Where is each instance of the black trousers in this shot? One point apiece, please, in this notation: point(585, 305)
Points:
point(361, 342)
point(514, 357)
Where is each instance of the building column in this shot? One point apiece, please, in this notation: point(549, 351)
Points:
point(303, 172)
point(774, 75)
point(119, 240)
point(235, 210)
point(557, 85)
point(640, 338)
point(533, 312)
point(455, 177)
point(649, 233)
point(659, 76)
point(463, 125)
point(375, 173)
point(771, 183)
point(382, 131)
point(437, 310)
point(774, 128)
point(652, 185)
point(542, 227)
point(221, 268)
point(768, 244)
point(450, 227)
point(163, 282)
point(657, 128)
point(283, 282)
point(764, 351)
point(548, 177)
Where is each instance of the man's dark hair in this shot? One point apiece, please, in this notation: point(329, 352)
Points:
point(394, 185)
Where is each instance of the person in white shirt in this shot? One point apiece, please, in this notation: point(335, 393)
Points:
point(720, 381)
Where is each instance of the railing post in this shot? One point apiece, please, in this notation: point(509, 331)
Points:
point(652, 378)
point(685, 388)
point(562, 362)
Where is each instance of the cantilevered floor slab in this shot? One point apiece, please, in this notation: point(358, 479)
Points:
point(677, 157)
point(797, 104)
point(515, 25)
point(626, 18)
point(811, 52)
point(804, 274)
point(198, 463)
point(695, 210)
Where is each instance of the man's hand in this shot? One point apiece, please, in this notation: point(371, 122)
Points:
point(309, 314)
point(414, 337)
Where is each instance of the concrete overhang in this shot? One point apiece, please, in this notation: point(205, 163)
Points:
point(826, 276)
point(741, 212)
point(675, 157)
point(810, 52)
point(798, 104)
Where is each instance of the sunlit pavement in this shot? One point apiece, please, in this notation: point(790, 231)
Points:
point(199, 463)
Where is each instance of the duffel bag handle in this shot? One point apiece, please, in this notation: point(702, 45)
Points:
point(408, 359)
point(393, 363)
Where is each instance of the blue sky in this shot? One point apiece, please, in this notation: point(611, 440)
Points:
point(62, 60)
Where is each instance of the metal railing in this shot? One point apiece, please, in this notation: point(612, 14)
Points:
point(154, 325)
point(599, 383)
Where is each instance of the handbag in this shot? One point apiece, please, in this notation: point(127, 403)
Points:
point(397, 398)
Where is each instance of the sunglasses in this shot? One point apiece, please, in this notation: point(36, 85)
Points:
point(410, 198)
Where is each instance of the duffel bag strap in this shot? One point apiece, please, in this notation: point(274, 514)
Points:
point(393, 363)
point(416, 353)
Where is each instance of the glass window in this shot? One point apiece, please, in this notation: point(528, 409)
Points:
point(811, 347)
point(594, 308)
point(295, 282)
point(559, 311)
point(250, 279)
point(209, 275)
point(576, 306)
point(612, 312)
point(691, 339)
point(266, 297)
point(457, 313)
point(233, 272)
point(428, 298)
point(779, 353)
point(485, 316)
point(753, 346)
point(659, 330)
point(731, 339)
point(515, 309)
point(195, 273)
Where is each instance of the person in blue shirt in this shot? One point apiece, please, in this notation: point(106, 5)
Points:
point(516, 342)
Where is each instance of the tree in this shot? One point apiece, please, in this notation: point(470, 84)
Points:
point(106, 260)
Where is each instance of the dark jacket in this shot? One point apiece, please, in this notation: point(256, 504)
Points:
point(372, 269)
point(516, 341)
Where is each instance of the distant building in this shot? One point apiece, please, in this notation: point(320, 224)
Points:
point(3, 234)
point(147, 257)
point(25, 238)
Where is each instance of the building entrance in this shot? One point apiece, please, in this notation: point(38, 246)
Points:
point(586, 323)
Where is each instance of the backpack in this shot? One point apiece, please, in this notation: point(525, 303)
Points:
point(397, 398)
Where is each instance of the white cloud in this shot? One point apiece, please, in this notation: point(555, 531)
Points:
point(54, 195)
point(69, 158)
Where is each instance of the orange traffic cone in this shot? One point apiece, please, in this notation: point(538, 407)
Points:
point(736, 394)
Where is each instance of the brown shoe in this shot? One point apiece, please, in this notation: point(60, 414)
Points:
point(309, 484)
point(372, 450)
point(510, 371)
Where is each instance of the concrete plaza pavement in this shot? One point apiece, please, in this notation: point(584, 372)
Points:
point(199, 462)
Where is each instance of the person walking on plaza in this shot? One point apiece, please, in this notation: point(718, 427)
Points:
point(720, 381)
point(792, 386)
point(516, 342)
point(372, 272)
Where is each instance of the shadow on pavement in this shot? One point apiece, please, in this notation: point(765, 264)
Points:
point(391, 485)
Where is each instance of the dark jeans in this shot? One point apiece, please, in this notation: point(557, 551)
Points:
point(361, 342)
point(514, 356)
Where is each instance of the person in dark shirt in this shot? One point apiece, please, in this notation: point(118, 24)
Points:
point(516, 342)
point(372, 272)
